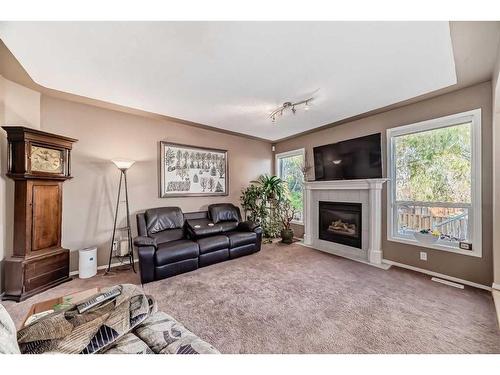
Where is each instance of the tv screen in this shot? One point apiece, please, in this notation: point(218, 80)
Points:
point(349, 160)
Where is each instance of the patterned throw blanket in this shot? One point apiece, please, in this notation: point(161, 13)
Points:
point(68, 331)
point(129, 323)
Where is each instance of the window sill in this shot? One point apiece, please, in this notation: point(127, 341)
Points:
point(437, 246)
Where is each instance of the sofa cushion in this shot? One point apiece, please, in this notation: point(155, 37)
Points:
point(221, 212)
point(129, 344)
point(241, 238)
point(199, 228)
point(163, 218)
point(213, 257)
point(8, 338)
point(176, 268)
point(213, 243)
point(144, 241)
point(174, 251)
point(241, 251)
point(165, 335)
point(168, 235)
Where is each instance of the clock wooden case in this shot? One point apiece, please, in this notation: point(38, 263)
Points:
point(39, 163)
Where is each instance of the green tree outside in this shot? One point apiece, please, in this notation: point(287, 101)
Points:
point(435, 165)
point(291, 173)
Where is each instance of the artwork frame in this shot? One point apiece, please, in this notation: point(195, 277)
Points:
point(177, 171)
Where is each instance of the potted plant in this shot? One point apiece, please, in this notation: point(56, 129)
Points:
point(261, 202)
point(253, 203)
point(272, 187)
point(287, 214)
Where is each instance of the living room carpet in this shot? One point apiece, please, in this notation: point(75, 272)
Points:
point(292, 299)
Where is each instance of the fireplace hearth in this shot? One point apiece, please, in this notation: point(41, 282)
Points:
point(340, 222)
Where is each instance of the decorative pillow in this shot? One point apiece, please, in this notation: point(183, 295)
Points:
point(8, 339)
point(223, 212)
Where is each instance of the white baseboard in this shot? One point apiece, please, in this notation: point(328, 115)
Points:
point(437, 274)
point(496, 300)
point(495, 286)
point(103, 267)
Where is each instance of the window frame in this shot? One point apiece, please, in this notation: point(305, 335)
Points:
point(475, 212)
point(296, 152)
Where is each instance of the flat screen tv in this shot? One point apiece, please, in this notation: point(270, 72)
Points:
point(349, 160)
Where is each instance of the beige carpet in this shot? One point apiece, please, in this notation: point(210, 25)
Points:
point(291, 299)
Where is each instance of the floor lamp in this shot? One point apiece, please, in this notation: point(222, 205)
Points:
point(123, 165)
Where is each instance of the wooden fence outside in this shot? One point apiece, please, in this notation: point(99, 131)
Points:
point(417, 221)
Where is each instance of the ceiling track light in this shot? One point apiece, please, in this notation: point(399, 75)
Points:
point(291, 106)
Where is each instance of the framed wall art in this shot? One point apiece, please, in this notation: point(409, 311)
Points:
point(190, 171)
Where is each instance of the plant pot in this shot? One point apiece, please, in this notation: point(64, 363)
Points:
point(287, 236)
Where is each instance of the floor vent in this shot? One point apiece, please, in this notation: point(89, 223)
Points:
point(446, 282)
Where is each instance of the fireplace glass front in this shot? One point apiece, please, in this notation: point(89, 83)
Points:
point(340, 222)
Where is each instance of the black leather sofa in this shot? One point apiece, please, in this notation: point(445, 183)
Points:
point(171, 242)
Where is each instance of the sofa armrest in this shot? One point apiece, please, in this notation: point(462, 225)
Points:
point(146, 248)
point(144, 241)
point(248, 226)
point(146, 263)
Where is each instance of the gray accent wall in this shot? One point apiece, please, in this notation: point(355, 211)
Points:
point(477, 270)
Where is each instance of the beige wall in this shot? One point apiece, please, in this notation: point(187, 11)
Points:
point(90, 197)
point(496, 172)
point(106, 131)
point(478, 270)
point(18, 106)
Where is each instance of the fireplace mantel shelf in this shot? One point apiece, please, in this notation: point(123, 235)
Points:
point(370, 195)
point(365, 184)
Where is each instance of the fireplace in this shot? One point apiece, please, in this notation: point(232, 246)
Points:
point(340, 222)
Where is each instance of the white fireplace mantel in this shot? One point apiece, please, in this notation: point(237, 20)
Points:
point(371, 183)
point(368, 192)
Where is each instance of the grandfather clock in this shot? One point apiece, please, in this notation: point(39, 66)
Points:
point(39, 163)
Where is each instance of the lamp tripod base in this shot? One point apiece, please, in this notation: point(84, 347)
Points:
point(130, 255)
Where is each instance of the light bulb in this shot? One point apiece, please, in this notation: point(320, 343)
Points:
point(306, 107)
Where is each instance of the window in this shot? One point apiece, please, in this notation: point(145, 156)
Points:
point(289, 167)
point(435, 181)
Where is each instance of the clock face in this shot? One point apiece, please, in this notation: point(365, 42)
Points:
point(47, 160)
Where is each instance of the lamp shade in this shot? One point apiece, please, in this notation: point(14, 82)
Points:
point(123, 164)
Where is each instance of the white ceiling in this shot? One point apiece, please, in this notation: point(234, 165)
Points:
point(231, 75)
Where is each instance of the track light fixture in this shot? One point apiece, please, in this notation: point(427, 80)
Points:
point(289, 105)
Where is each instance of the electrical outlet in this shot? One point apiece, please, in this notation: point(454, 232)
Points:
point(423, 255)
point(115, 246)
